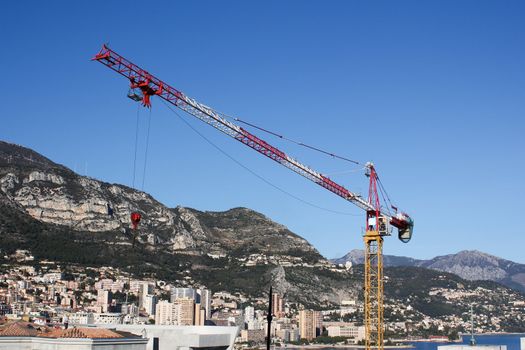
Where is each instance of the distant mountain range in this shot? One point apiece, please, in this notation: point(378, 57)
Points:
point(469, 264)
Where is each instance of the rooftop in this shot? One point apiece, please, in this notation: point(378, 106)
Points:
point(27, 329)
point(22, 329)
point(89, 333)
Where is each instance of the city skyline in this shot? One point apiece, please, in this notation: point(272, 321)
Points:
point(48, 298)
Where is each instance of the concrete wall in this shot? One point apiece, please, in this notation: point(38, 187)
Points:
point(182, 337)
point(35, 343)
point(475, 347)
point(16, 343)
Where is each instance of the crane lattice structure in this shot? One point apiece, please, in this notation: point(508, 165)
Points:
point(143, 85)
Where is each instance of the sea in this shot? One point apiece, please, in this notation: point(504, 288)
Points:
point(512, 341)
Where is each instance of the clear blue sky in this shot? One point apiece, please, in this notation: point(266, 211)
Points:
point(433, 92)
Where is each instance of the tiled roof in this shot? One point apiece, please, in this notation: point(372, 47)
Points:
point(27, 329)
point(88, 333)
point(21, 329)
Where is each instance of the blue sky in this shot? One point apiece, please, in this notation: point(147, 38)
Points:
point(432, 92)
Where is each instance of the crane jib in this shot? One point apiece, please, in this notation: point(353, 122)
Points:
point(150, 85)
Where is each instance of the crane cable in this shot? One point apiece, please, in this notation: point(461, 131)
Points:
point(251, 171)
point(332, 173)
point(146, 151)
point(333, 155)
point(383, 194)
point(136, 146)
point(136, 149)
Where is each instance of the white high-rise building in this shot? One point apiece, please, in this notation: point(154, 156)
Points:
point(180, 293)
point(145, 290)
point(103, 301)
point(205, 300)
point(249, 314)
point(149, 304)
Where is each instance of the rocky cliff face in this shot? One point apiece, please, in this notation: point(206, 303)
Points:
point(475, 265)
point(54, 194)
point(468, 264)
point(60, 215)
point(51, 193)
point(245, 231)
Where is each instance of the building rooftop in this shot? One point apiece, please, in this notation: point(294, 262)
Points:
point(22, 329)
point(89, 333)
point(27, 329)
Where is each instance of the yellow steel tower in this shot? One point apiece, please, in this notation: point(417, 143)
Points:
point(376, 228)
point(373, 290)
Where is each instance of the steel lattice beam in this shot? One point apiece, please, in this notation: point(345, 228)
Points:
point(151, 86)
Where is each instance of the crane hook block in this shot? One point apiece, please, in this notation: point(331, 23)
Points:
point(135, 219)
point(405, 230)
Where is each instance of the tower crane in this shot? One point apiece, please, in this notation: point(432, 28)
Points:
point(144, 85)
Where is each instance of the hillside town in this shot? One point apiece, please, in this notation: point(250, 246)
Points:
point(48, 293)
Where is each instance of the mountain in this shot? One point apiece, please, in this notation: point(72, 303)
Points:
point(475, 265)
point(53, 194)
point(58, 215)
point(65, 219)
point(357, 256)
point(468, 264)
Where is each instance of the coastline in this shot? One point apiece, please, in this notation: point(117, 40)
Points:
point(326, 346)
point(415, 344)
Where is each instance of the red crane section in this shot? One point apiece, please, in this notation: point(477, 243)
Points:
point(150, 85)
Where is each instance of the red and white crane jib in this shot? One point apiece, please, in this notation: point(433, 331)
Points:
point(149, 85)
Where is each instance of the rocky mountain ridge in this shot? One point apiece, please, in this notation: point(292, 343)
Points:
point(59, 215)
point(468, 264)
point(51, 193)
